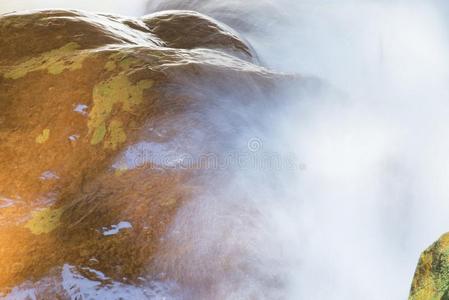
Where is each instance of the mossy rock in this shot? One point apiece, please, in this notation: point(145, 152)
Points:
point(80, 95)
point(431, 280)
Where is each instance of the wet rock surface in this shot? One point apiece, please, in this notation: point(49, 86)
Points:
point(101, 119)
point(243, 16)
point(431, 279)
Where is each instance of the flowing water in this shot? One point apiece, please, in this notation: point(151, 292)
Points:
point(345, 188)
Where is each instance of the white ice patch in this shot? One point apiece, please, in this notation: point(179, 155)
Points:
point(114, 229)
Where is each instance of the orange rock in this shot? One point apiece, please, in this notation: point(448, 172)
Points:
point(97, 116)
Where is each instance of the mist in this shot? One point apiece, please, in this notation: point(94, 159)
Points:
point(362, 185)
point(372, 192)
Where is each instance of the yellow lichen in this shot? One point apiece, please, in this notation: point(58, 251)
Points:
point(431, 280)
point(106, 94)
point(444, 242)
point(55, 62)
point(115, 91)
point(112, 95)
point(425, 289)
point(168, 202)
point(98, 134)
point(128, 62)
point(120, 170)
point(116, 135)
point(110, 65)
point(123, 61)
point(43, 137)
point(425, 294)
point(44, 221)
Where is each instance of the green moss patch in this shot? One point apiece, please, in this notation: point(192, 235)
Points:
point(43, 137)
point(54, 62)
point(116, 92)
point(44, 221)
point(431, 280)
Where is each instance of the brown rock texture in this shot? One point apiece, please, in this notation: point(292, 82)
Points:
point(100, 119)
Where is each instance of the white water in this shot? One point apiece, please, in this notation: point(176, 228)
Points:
point(375, 190)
